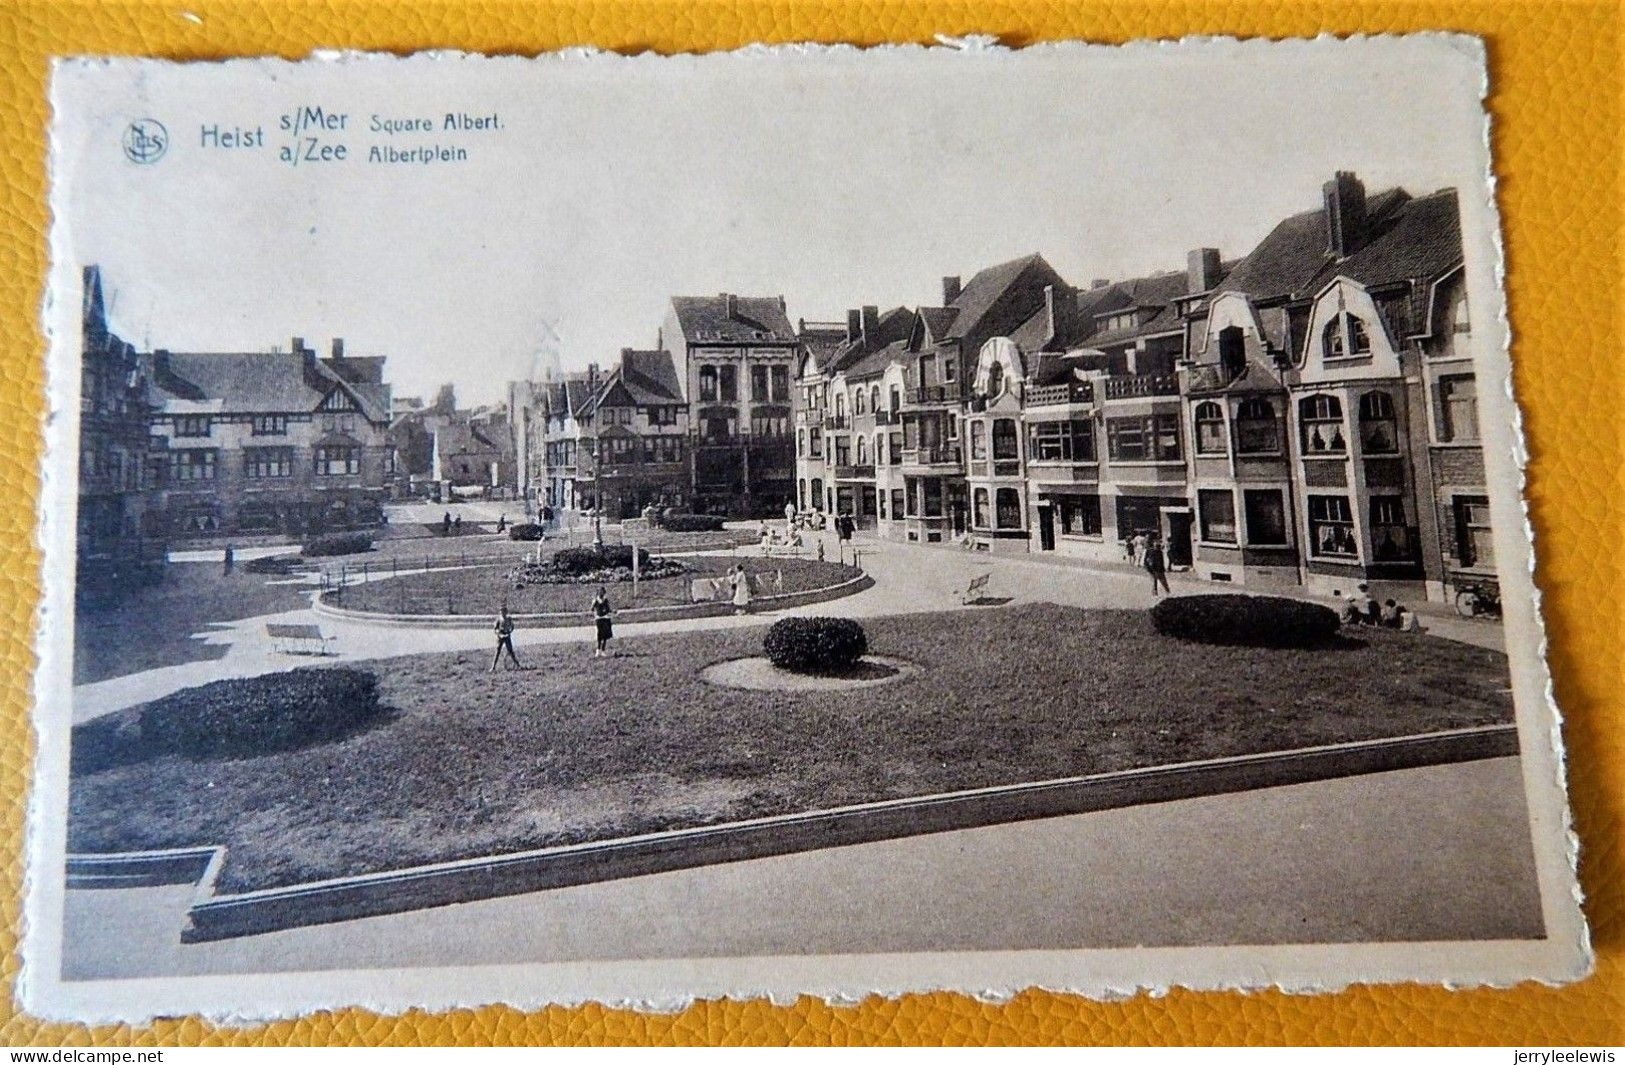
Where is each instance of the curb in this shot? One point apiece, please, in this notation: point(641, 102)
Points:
point(348, 898)
point(581, 618)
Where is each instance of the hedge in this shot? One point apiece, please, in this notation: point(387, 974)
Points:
point(345, 543)
point(574, 561)
point(525, 531)
point(239, 718)
point(1245, 620)
point(272, 565)
point(692, 522)
point(815, 645)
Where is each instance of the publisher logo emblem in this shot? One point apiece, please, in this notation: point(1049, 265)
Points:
point(146, 141)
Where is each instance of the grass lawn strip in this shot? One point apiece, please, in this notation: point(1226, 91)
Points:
point(484, 589)
point(579, 749)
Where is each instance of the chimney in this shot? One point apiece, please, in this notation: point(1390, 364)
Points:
point(871, 325)
point(1060, 310)
point(338, 347)
point(854, 324)
point(731, 303)
point(1345, 213)
point(1100, 282)
point(1201, 270)
point(950, 290)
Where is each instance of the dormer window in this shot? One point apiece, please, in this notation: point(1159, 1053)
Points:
point(1332, 339)
point(995, 379)
point(1345, 336)
point(1359, 339)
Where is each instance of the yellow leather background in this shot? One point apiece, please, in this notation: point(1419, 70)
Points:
point(1557, 96)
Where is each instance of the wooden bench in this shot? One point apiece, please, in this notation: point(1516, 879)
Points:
point(298, 639)
point(974, 591)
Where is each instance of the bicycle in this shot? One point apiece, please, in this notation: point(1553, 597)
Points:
point(1483, 598)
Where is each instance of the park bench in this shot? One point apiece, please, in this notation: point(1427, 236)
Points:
point(298, 639)
point(978, 585)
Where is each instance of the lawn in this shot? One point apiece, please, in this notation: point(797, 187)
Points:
point(482, 590)
point(153, 626)
point(417, 542)
point(578, 748)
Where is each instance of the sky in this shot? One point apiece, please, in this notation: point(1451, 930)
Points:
point(610, 184)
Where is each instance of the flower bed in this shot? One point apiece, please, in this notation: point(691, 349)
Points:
point(606, 564)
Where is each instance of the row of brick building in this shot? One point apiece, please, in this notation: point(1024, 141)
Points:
point(206, 444)
point(1305, 414)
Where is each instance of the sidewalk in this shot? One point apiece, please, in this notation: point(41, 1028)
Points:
point(1308, 863)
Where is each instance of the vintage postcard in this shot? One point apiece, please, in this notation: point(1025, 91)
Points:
point(806, 520)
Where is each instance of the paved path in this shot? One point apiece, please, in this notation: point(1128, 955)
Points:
point(1307, 863)
point(909, 578)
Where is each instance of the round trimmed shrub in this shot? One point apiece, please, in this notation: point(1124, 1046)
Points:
point(250, 716)
point(815, 645)
point(345, 543)
point(525, 531)
point(691, 522)
point(1245, 620)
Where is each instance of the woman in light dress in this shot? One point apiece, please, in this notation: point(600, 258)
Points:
point(741, 589)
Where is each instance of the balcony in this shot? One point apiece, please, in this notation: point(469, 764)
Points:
point(888, 417)
point(1139, 386)
point(934, 394)
point(942, 455)
point(1065, 392)
point(722, 440)
point(854, 473)
point(1207, 378)
point(837, 421)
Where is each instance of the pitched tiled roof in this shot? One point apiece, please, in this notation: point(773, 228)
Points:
point(876, 361)
point(705, 319)
point(650, 377)
point(938, 320)
point(1423, 240)
point(822, 341)
point(895, 325)
point(1293, 256)
point(982, 294)
point(259, 382)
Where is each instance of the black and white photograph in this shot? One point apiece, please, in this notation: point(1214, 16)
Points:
point(799, 520)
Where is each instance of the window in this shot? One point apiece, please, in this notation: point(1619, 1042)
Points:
point(1359, 339)
point(857, 402)
point(661, 416)
point(1153, 437)
point(840, 404)
point(779, 377)
point(663, 449)
point(1390, 534)
point(774, 426)
point(1008, 505)
point(801, 444)
point(192, 464)
point(1218, 508)
point(1080, 515)
point(335, 460)
point(874, 398)
point(801, 493)
point(192, 425)
point(897, 504)
point(1209, 429)
point(1266, 517)
point(843, 451)
point(1331, 527)
point(995, 378)
point(979, 508)
point(1474, 545)
point(896, 448)
point(1232, 351)
point(708, 384)
point(1458, 408)
point(912, 501)
point(1331, 339)
point(1005, 446)
point(863, 451)
point(880, 449)
point(978, 440)
point(728, 383)
point(1257, 431)
point(1378, 427)
point(1069, 441)
point(759, 390)
point(896, 398)
point(950, 370)
point(1321, 420)
point(815, 443)
point(268, 462)
point(933, 497)
point(881, 497)
point(270, 425)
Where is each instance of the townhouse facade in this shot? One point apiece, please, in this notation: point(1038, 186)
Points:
point(734, 357)
point(637, 445)
point(269, 443)
point(1305, 415)
point(120, 538)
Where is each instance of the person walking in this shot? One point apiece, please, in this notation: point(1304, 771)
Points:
point(457, 525)
point(602, 615)
point(230, 559)
point(502, 523)
point(445, 524)
point(741, 589)
point(504, 633)
point(1156, 564)
point(1137, 546)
